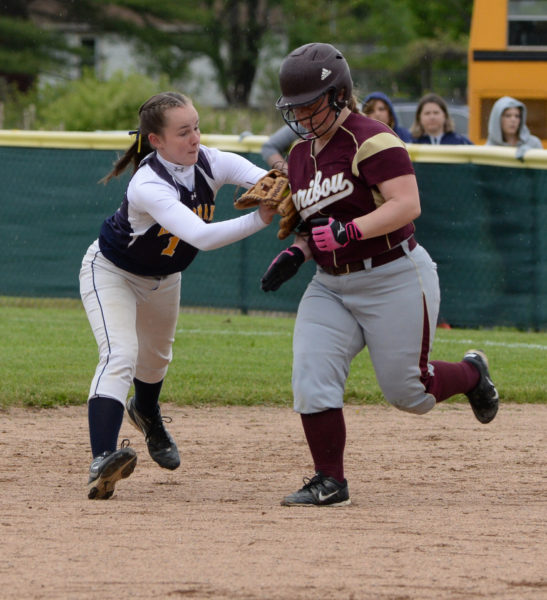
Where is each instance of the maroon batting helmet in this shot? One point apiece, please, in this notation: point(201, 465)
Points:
point(308, 73)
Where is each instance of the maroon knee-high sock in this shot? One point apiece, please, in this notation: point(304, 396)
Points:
point(326, 436)
point(449, 379)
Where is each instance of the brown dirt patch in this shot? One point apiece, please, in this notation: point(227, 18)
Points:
point(443, 508)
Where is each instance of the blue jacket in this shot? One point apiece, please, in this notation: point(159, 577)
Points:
point(449, 138)
point(401, 131)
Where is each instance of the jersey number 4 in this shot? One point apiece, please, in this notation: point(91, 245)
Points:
point(172, 244)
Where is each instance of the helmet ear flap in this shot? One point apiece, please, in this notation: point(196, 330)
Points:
point(337, 103)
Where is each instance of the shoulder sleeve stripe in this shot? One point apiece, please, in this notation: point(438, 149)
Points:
point(377, 143)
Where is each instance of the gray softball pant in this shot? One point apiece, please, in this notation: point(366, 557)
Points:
point(392, 309)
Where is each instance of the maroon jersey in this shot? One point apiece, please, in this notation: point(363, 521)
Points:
point(341, 182)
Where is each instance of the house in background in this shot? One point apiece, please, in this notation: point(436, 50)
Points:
point(108, 53)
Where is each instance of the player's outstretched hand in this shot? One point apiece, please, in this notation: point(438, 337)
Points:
point(283, 267)
point(335, 234)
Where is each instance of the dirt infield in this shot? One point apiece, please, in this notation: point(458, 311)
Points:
point(442, 508)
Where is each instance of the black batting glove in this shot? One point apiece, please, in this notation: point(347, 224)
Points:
point(283, 267)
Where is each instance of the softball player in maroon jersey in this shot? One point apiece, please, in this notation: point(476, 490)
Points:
point(130, 277)
point(375, 286)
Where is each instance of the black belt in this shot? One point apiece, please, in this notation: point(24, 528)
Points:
point(375, 261)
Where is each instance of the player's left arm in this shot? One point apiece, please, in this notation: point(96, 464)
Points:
point(400, 205)
point(383, 162)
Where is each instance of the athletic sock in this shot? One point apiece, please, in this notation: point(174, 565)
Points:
point(105, 416)
point(326, 435)
point(450, 379)
point(147, 397)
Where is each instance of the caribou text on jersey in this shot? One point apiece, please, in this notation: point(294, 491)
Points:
point(322, 192)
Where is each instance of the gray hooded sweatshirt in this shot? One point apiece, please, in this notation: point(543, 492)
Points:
point(527, 141)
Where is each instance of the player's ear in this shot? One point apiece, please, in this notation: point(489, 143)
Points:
point(154, 140)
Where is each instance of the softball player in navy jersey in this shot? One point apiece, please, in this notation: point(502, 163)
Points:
point(375, 286)
point(130, 277)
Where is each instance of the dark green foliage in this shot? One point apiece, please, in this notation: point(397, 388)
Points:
point(89, 104)
point(404, 47)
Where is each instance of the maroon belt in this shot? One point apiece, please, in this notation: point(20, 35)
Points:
point(375, 261)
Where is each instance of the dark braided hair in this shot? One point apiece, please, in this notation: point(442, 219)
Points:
point(151, 120)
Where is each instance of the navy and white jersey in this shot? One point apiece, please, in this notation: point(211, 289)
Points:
point(165, 217)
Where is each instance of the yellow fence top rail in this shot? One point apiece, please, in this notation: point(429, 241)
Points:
point(120, 140)
point(114, 140)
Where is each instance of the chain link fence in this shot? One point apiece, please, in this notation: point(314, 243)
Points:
point(484, 221)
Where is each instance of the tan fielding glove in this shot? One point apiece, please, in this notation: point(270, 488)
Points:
point(269, 190)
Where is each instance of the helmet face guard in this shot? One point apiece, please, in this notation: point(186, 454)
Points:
point(313, 129)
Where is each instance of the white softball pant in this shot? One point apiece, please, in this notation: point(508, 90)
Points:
point(389, 309)
point(133, 319)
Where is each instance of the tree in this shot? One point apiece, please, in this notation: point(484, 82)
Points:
point(230, 32)
point(26, 50)
point(437, 58)
point(405, 47)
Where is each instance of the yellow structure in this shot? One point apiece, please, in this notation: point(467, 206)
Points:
point(508, 57)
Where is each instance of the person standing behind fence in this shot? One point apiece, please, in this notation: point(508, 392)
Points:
point(375, 286)
point(508, 228)
point(433, 123)
point(130, 276)
point(507, 127)
point(378, 106)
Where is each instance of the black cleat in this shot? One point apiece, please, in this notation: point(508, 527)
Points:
point(319, 491)
point(484, 398)
point(161, 446)
point(108, 468)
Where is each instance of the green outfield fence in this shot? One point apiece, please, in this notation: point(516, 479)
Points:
point(484, 221)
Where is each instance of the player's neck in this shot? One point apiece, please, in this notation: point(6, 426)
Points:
point(322, 141)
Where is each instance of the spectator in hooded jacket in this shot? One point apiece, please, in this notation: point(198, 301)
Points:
point(378, 106)
point(507, 126)
point(433, 124)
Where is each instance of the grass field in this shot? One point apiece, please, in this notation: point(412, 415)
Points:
point(49, 355)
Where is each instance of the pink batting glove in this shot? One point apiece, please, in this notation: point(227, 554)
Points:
point(335, 235)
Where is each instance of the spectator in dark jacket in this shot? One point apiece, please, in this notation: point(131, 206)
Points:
point(378, 106)
point(433, 124)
